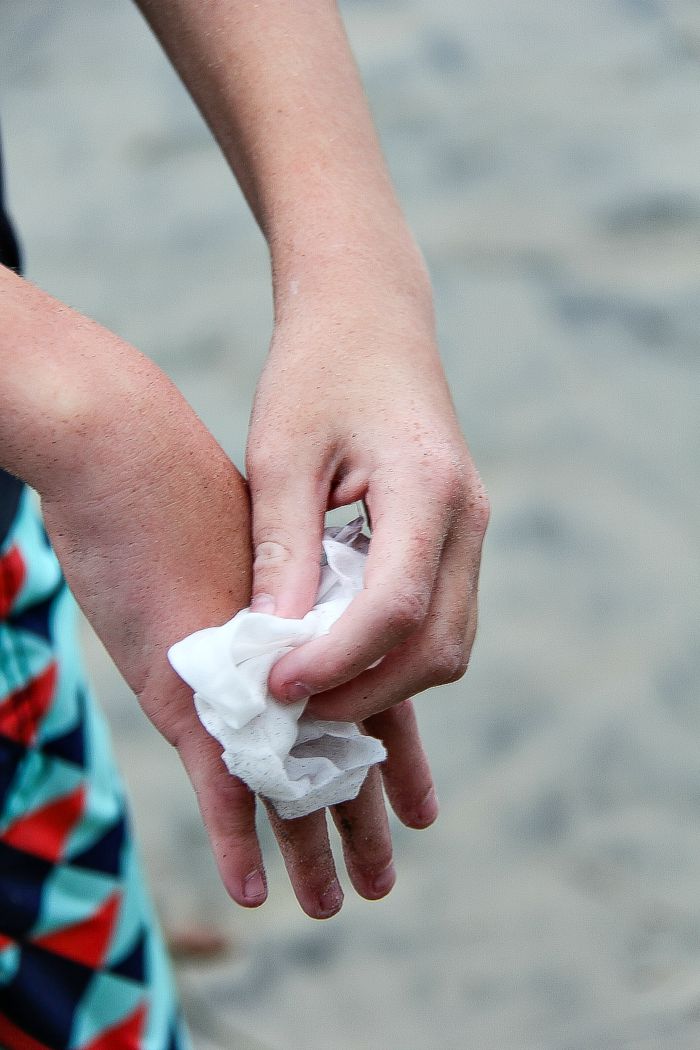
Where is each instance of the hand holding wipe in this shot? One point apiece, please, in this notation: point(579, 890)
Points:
point(299, 763)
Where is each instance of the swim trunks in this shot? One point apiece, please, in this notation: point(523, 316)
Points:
point(82, 961)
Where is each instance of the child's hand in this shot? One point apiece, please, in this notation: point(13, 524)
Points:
point(150, 520)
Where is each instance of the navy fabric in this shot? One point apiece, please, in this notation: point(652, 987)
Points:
point(10, 488)
point(9, 249)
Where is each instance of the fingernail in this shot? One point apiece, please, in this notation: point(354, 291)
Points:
point(263, 603)
point(428, 809)
point(296, 691)
point(330, 900)
point(383, 882)
point(254, 887)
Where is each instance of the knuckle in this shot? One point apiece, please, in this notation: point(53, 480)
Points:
point(270, 554)
point(312, 865)
point(239, 795)
point(449, 480)
point(450, 664)
point(479, 508)
point(240, 820)
point(263, 465)
point(240, 831)
point(335, 669)
point(400, 712)
point(376, 861)
point(371, 851)
point(406, 611)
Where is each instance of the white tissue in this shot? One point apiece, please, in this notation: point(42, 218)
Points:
point(300, 763)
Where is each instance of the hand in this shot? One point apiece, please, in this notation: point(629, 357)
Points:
point(353, 405)
point(151, 525)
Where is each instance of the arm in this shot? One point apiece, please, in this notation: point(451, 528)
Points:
point(150, 520)
point(145, 533)
point(352, 403)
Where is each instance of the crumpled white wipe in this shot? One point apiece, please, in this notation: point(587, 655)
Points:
point(299, 763)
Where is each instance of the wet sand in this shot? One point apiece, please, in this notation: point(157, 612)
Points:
point(548, 157)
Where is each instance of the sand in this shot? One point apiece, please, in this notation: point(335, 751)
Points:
point(548, 156)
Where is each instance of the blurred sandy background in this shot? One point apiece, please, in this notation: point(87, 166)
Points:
point(548, 156)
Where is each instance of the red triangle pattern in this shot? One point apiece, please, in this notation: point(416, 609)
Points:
point(22, 711)
point(12, 574)
point(124, 1036)
point(45, 831)
point(5, 942)
point(13, 1038)
point(87, 941)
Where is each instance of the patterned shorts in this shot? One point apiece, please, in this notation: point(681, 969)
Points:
point(82, 963)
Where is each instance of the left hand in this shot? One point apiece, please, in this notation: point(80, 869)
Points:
point(361, 824)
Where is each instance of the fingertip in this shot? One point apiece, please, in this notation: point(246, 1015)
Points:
point(254, 889)
point(425, 814)
point(248, 891)
point(376, 887)
point(320, 903)
point(278, 682)
point(290, 692)
point(329, 902)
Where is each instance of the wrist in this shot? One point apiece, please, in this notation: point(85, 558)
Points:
point(346, 269)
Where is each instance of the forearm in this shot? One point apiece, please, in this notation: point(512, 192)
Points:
point(75, 397)
point(277, 83)
point(147, 514)
point(52, 364)
point(71, 392)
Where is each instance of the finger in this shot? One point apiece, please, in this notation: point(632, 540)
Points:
point(287, 528)
point(411, 669)
point(407, 778)
point(307, 856)
point(436, 655)
point(400, 575)
point(228, 811)
point(364, 832)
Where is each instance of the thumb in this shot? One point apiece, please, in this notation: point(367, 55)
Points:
point(288, 514)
